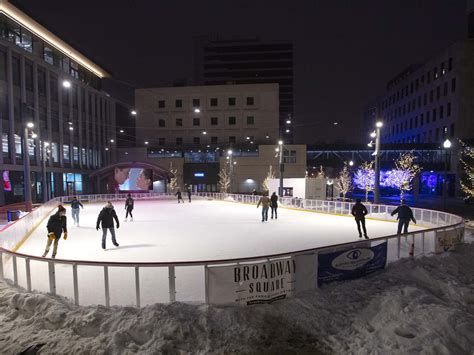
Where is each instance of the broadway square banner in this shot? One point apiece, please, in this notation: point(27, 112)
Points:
point(351, 263)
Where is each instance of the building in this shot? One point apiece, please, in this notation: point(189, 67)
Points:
point(207, 116)
point(249, 61)
point(45, 81)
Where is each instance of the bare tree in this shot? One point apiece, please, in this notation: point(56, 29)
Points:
point(266, 182)
point(173, 184)
point(344, 181)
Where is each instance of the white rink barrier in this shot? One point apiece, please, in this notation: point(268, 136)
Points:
point(161, 282)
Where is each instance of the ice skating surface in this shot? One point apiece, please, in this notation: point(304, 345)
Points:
point(164, 231)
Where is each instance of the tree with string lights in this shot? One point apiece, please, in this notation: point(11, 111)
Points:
point(402, 176)
point(266, 182)
point(467, 177)
point(365, 178)
point(224, 179)
point(344, 181)
point(173, 184)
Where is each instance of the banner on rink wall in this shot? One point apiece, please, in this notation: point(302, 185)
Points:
point(448, 240)
point(259, 283)
point(351, 263)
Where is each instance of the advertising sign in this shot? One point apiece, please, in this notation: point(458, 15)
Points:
point(134, 179)
point(448, 240)
point(351, 263)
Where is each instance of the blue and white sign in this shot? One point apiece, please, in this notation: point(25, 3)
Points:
point(198, 174)
point(352, 263)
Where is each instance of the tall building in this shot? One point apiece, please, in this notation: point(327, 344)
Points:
point(45, 81)
point(249, 61)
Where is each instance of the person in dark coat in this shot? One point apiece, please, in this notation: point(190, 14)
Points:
point(359, 211)
point(274, 204)
point(405, 215)
point(75, 204)
point(189, 194)
point(106, 220)
point(129, 207)
point(56, 226)
point(180, 196)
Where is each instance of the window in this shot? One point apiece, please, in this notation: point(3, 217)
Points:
point(214, 121)
point(196, 140)
point(54, 152)
point(214, 101)
point(421, 120)
point(428, 117)
point(231, 101)
point(441, 112)
point(48, 55)
point(66, 153)
point(435, 73)
point(179, 140)
point(214, 140)
point(289, 156)
point(161, 123)
point(74, 70)
point(179, 122)
point(436, 135)
point(18, 147)
point(438, 93)
point(196, 102)
point(416, 121)
point(83, 156)
point(161, 141)
point(161, 103)
point(5, 145)
point(445, 89)
point(75, 154)
point(431, 96)
point(443, 71)
point(196, 122)
point(178, 103)
point(453, 84)
point(434, 114)
point(452, 130)
point(450, 64)
point(232, 121)
point(448, 109)
point(250, 101)
point(250, 120)
point(231, 139)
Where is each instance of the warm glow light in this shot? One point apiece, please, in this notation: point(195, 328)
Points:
point(111, 141)
point(373, 134)
point(280, 142)
point(288, 122)
point(197, 110)
point(106, 148)
point(351, 163)
point(379, 124)
point(46, 144)
point(18, 16)
point(34, 135)
point(204, 132)
point(67, 84)
point(146, 142)
point(30, 125)
point(121, 131)
point(71, 128)
point(133, 112)
point(229, 152)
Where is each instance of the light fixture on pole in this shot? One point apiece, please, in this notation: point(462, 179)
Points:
point(378, 127)
point(351, 163)
point(447, 146)
point(66, 84)
point(26, 160)
point(282, 168)
point(133, 113)
point(231, 167)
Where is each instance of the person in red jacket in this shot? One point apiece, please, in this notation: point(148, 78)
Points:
point(359, 211)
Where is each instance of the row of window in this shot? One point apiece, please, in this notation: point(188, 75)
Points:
point(431, 136)
point(214, 121)
point(198, 140)
point(422, 100)
point(213, 102)
point(418, 83)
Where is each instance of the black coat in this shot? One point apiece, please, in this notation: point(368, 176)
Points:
point(274, 201)
point(107, 216)
point(129, 203)
point(404, 212)
point(56, 225)
point(359, 211)
point(76, 204)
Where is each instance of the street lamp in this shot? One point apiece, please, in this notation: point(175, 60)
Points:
point(378, 126)
point(351, 163)
point(231, 165)
point(446, 145)
point(133, 113)
point(282, 168)
point(66, 84)
point(26, 164)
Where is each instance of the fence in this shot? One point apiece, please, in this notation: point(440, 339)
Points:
point(140, 283)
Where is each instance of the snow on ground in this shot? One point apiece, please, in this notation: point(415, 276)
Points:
point(416, 306)
point(164, 230)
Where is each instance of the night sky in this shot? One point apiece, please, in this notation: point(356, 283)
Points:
point(345, 51)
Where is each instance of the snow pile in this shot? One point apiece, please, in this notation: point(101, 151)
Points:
point(425, 305)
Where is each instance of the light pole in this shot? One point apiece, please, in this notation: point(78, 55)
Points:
point(446, 146)
point(282, 167)
point(44, 154)
point(378, 126)
point(231, 167)
point(26, 166)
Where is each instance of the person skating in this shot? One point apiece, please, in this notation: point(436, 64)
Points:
point(189, 194)
point(405, 215)
point(265, 202)
point(106, 219)
point(75, 205)
point(129, 207)
point(274, 204)
point(180, 196)
point(56, 226)
point(359, 211)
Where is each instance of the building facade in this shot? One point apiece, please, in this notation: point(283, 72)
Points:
point(249, 61)
point(48, 83)
point(207, 116)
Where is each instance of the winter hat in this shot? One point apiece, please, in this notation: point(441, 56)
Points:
point(61, 208)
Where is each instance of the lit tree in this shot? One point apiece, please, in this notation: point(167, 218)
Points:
point(365, 178)
point(174, 179)
point(467, 178)
point(344, 181)
point(321, 172)
point(402, 176)
point(266, 182)
point(224, 180)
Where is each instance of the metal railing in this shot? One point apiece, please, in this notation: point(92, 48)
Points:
point(151, 282)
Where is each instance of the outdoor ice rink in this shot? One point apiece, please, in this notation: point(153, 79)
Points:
point(164, 231)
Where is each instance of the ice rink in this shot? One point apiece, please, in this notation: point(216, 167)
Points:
point(164, 230)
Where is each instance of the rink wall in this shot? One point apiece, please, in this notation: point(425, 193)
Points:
point(261, 279)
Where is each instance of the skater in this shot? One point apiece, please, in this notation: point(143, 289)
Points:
point(359, 211)
point(405, 215)
point(265, 201)
point(189, 194)
point(180, 197)
point(75, 204)
point(56, 225)
point(274, 204)
point(107, 216)
point(129, 207)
